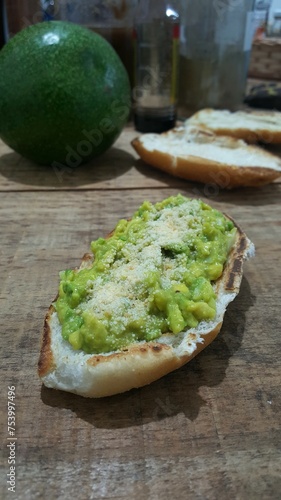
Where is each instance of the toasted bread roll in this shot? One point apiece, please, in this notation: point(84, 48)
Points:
point(141, 362)
point(197, 154)
point(251, 126)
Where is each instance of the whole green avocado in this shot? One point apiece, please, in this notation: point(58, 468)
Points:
point(64, 94)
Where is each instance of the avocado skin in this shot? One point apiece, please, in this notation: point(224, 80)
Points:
point(64, 93)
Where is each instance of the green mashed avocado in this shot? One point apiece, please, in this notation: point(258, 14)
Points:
point(152, 276)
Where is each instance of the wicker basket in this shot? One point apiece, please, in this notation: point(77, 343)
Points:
point(266, 59)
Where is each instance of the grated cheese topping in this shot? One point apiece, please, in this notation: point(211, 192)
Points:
point(120, 292)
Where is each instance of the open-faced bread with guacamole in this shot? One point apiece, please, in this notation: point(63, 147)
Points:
point(148, 298)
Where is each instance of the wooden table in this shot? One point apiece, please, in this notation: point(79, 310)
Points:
point(210, 430)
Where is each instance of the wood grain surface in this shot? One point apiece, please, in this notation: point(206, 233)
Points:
point(208, 431)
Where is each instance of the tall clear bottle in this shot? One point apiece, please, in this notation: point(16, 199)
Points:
point(216, 41)
point(156, 32)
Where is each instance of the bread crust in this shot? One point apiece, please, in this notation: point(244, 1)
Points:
point(61, 367)
point(196, 168)
point(46, 361)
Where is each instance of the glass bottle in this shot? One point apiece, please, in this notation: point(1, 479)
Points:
point(156, 32)
point(216, 40)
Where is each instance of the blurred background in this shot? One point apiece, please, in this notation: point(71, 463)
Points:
point(222, 43)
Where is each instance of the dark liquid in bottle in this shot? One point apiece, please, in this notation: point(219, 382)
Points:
point(150, 123)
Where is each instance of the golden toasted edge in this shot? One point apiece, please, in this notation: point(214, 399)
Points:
point(134, 367)
point(46, 359)
point(233, 270)
point(206, 171)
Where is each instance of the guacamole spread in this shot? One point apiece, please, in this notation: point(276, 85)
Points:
point(153, 275)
